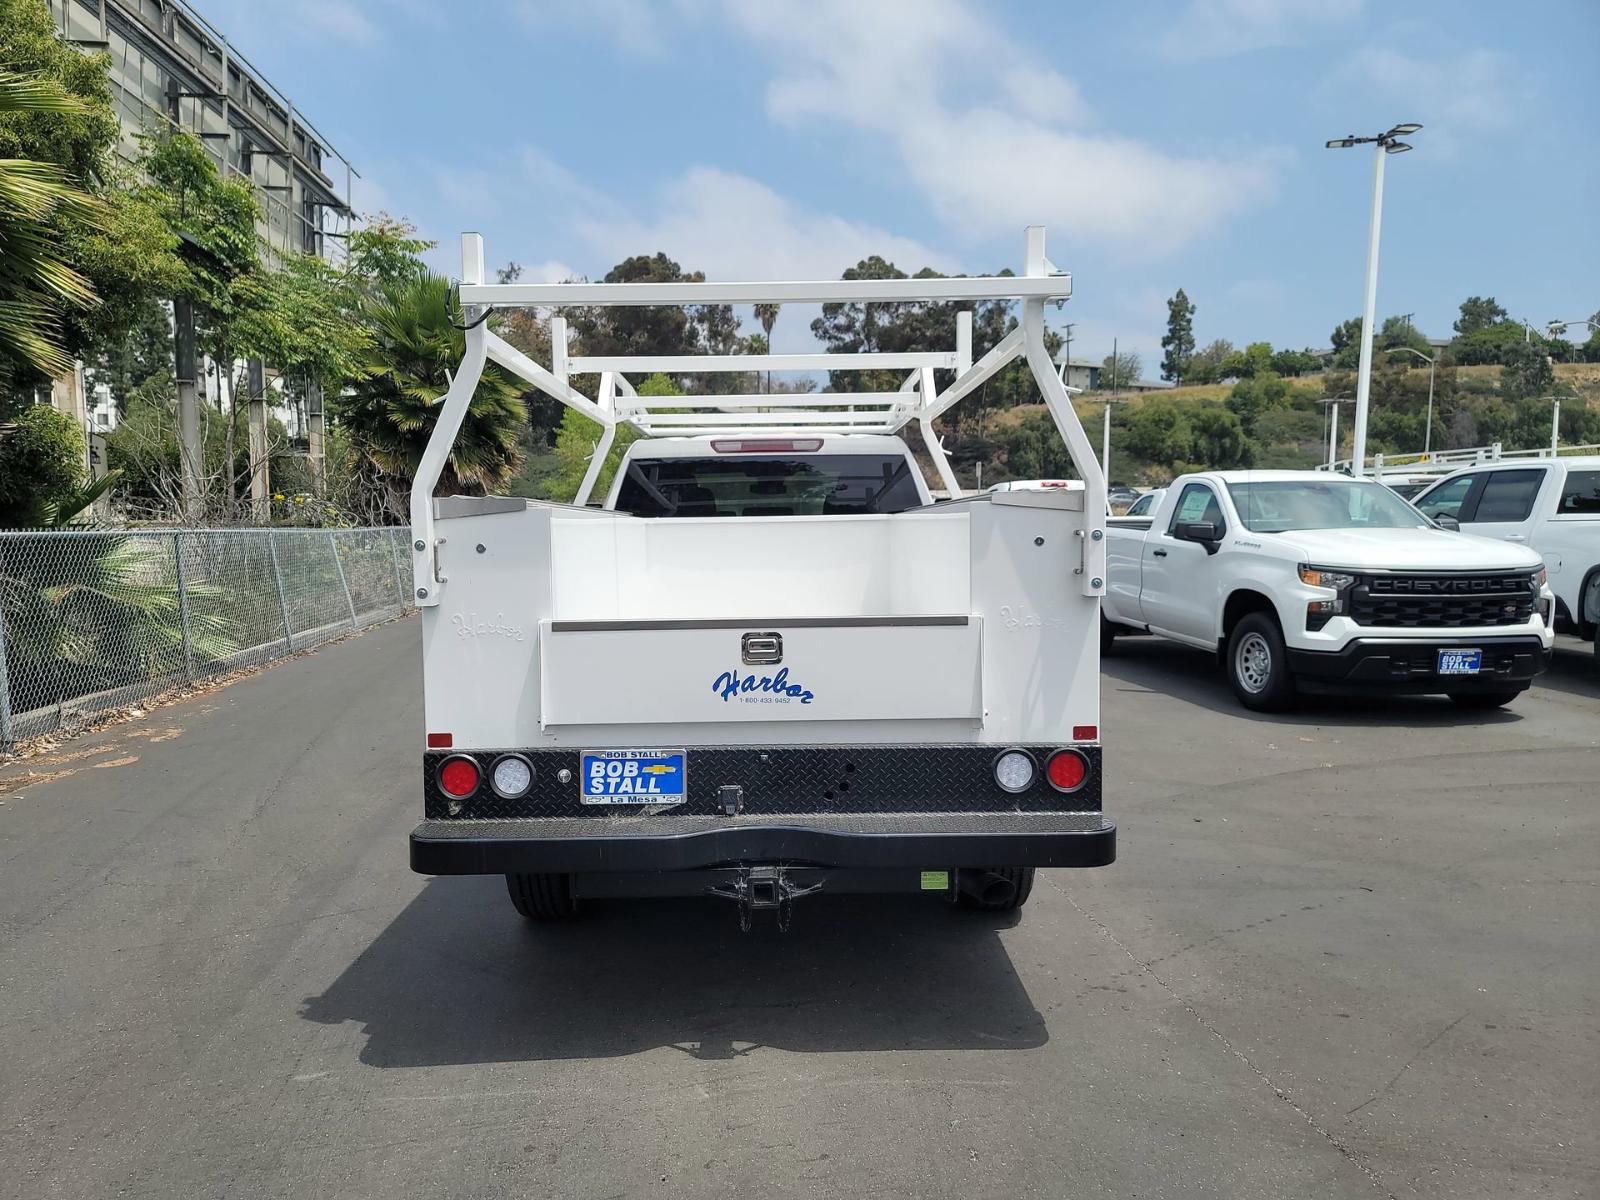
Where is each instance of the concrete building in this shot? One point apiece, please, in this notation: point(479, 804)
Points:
point(172, 69)
point(1086, 373)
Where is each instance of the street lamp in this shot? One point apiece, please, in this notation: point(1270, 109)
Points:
point(1385, 144)
point(1333, 432)
point(1427, 437)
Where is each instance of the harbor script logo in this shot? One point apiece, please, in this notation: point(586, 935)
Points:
point(760, 689)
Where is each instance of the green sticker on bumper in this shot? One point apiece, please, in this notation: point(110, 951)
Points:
point(936, 881)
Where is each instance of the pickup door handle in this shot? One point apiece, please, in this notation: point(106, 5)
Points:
point(1516, 537)
point(1159, 553)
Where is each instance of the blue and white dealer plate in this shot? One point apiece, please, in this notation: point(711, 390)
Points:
point(634, 776)
point(1460, 662)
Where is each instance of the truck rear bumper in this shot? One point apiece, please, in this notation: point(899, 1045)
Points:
point(666, 842)
point(1412, 666)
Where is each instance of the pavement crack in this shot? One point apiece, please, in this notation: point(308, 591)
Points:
point(1409, 1063)
point(1145, 968)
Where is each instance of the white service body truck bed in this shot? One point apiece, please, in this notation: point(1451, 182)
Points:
point(766, 700)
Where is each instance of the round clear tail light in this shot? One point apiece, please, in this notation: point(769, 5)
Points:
point(1014, 770)
point(1067, 770)
point(511, 776)
point(459, 777)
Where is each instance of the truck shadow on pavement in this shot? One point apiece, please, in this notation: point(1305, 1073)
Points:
point(458, 977)
point(1142, 663)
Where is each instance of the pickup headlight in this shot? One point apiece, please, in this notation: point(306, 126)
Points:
point(1539, 578)
point(1320, 612)
point(1322, 577)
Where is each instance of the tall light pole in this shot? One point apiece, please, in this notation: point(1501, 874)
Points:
point(1427, 437)
point(1333, 403)
point(1384, 144)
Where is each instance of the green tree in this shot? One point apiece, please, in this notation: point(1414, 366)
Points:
point(1398, 332)
point(1119, 370)
point(1218, 440)
point(41, 462)
point(1527, 372)
point(1206, 365)
point(1346, 342)
point(36, 279)
point(1491, 344)
point(767, 315)
point(1178, 344)
point(1034, 449)
point(1479, 313)
point(393, 401)
point(1253, 396)
point(116, 248)
point(1159, 431)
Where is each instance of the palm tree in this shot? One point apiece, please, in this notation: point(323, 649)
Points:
point(392, 403)
point(35, 280)
point(767, 314)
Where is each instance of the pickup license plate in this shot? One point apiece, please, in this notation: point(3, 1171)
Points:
point(1460, 662)
point(634, 776)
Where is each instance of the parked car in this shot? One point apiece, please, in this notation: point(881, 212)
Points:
point(1408, 487)
point(1302, 580)
point(1146, 504)
point(1551, 505)
point(1121, 495)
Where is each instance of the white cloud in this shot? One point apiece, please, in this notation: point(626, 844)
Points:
point(1454, 95)
point(733, 227)
point(1218, 28)
point(992, 151)
point(340, 20)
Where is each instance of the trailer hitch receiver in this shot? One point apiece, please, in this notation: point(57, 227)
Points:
point(753, 888)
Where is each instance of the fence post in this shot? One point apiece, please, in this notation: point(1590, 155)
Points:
point(399, 580)
point(333, 546)
point(283, 603)
point(5, 680)
point(183, 606)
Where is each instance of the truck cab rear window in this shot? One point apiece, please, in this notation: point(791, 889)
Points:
point(764, 486)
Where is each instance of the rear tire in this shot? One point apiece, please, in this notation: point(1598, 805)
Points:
point(1021, 876)
point(1108, 636)
point(1258, 664)
point(1496, 699)
point(543, 897)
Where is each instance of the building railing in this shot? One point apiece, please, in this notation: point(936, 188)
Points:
point(93, 620)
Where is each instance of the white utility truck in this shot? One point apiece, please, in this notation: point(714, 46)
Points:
point(767, 664)
point(1306, 580)
point(1551, 504)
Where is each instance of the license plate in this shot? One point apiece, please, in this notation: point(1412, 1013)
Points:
point(634, 776)
point(1460, 662)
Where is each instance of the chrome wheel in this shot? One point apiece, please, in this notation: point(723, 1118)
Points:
point(1252, 663)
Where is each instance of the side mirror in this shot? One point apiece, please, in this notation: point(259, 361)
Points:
point(1207, 533)
point(1446, 521)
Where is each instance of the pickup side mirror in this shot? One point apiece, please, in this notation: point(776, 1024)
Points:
point(1207, 533)
point(1446, 521)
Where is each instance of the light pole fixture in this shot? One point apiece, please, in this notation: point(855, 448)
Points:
point(1333, 403)
point(1427, 436)
point(1384, 144)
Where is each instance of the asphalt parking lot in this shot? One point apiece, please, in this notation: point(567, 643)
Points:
point(1347, 952)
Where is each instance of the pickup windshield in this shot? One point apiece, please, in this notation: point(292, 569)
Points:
point(764, 486)
point(1277, 506)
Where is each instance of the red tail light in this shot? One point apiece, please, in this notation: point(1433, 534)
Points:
point(1067, 770)
point(766, 445)
point(459, 777)
point(440, 741)
point(1085, 733)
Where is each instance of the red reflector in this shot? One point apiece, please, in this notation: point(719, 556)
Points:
point(1085, 733)
point(766, 446)
point(441, 741)
point(1066, 770)
point(459, 777)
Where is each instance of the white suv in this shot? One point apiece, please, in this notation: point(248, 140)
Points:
point(1549, 504)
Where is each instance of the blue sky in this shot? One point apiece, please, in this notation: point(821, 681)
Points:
point(1164, 145)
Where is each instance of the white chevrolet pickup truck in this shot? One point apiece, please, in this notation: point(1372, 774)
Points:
point(767, 664)
point(1551, 505)
point(1303, 581)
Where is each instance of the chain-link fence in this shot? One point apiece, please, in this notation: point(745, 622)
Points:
point(96, 619)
